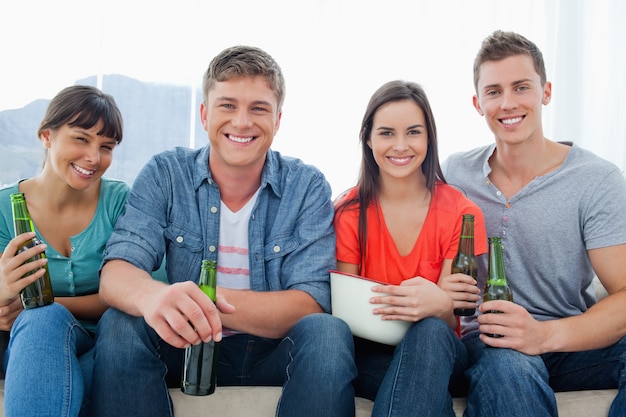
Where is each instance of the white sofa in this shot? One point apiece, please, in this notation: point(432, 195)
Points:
point(261, 402)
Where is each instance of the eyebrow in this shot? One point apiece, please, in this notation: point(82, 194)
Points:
point(111, 142)
point(517, 82)
point(408, 127)
point(233, 100)
point(84, 132)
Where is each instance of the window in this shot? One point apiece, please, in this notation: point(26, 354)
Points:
point(333, 54)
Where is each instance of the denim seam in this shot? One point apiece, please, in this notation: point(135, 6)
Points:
point(287, 376)
point(395, 379)
point(67, 400)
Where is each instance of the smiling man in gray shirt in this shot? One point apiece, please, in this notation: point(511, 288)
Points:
point(559, 212)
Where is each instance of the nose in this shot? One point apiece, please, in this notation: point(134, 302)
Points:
point(241, 119)
point(92, 155)
point(508, 101)
point(400, 143)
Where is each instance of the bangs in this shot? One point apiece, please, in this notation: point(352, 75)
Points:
point(98, 110)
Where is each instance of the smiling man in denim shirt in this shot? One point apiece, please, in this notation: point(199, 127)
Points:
point(267, 221)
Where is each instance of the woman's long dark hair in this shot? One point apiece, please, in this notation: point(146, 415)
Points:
point(369, 177)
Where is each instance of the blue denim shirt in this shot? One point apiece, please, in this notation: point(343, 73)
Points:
point(173, 211)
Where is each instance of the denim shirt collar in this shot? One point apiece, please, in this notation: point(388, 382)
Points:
point(270, 175)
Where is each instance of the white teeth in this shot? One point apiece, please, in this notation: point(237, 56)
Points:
point(240, 139)
point(82, 171)
point(400, 160)
point(511, 121)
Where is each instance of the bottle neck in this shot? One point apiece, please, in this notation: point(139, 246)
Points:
point(496, 264)
point(208, 279)
point(21, 218)
point(466, 242)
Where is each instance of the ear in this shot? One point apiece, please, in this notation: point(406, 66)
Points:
point(547, 93)
point(203, 116)
point(277, 123)
point(45, 137)
point(477, 105)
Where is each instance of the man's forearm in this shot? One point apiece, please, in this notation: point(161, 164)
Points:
point(124, 286)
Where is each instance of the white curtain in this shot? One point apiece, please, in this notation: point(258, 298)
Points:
point(587, 44)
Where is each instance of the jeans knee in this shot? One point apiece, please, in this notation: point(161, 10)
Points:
point(118, 332)
point(432, 332)
point(323, 326)
point(496, 362)
point(119, 323)
point(324, 339)
point(43, 320)
point(429, 326)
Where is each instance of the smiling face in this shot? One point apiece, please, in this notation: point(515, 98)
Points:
point(78, 156)
point(241, 117)
point(510, 96)
point(399, 139)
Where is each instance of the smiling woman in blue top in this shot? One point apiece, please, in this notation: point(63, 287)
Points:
point(49, 357)
point(267, 221)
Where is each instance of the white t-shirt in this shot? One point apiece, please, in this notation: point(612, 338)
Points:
point(233, 268)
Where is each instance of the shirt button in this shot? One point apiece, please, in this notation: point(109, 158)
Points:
point(179, 239)
point(211, 248)
point(506, 218)
point(498, 193)
point(503, 232)
point(276, 249)
point(213, 210)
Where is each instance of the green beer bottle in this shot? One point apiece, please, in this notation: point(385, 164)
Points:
point(496, 288)
point(465, 261)
point(39, 293)
point(200, 366)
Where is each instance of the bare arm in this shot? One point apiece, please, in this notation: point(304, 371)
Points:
point(267, 314)
point(180, 313)
point(84, 307)
point(605, 323)
point(348, 268)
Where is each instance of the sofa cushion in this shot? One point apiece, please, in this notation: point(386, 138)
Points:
point(262, 401)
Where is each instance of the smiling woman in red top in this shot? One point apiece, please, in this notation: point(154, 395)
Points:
point(401, 225)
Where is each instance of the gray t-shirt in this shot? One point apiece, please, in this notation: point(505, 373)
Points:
point(547, 227)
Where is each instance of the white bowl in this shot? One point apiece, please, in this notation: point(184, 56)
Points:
point(350, 296)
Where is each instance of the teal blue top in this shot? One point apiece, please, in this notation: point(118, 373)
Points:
point(78, 274)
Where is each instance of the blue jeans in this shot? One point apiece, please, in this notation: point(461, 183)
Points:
point(314, 364)
point(497, 376)
point(48, 364)
point(416, 377)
